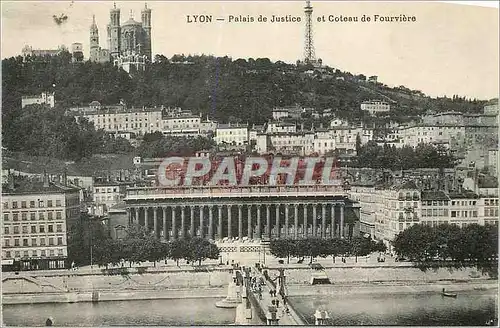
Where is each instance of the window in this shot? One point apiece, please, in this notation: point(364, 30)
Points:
point(40, 203)
point(6, 205)
point(23, 204)
point(49, 215)
point(33, 242)
point(24, 216)
point(42, 241)
point(14, 204)
point(41, 216)
point(15, 217)
point(6, 230)
point(25, 242)
point(18, 253)
point(7, 254)
point(59, 228)
point(58, 203)
point(32, 203)
point(42, 253)
point(16, 242)
point(25, 254)
point(34, 253)
point(51, 228)
point(60, 252)
point(51, 252)
point(51, 241)
point(7, 243)
point(6, 217)
point(453, 214)
point(16, 229)
point(49, 203)
point(58, 215)
point(59, 241)
point(42, 229)
point(25, 229)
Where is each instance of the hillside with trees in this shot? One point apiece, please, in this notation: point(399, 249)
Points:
point(245, 89)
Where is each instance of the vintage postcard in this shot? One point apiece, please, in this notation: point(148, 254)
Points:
point(180, 163)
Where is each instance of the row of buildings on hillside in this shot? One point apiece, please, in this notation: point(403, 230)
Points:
point(282, 134)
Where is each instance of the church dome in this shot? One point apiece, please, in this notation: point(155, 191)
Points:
point(131, 21)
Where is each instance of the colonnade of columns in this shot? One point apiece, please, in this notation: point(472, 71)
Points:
point(285, 222)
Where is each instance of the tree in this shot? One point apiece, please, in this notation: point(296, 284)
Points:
point(178, 249)
point(199, 249)
point(283, 248)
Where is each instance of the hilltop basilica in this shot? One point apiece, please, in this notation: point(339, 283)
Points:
point(129, 44)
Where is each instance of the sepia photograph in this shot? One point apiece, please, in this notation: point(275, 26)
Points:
point(213, 163)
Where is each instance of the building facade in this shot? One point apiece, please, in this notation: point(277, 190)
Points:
point(375, 106)
point(44, 99)
point(251, 212)
point(36, 219)
point(135, 120)
point(232, 134)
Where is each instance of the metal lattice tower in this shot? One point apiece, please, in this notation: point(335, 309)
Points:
point(309, 55)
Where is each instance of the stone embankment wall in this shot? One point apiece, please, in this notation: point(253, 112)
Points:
point(356, 274)
point(28, 287)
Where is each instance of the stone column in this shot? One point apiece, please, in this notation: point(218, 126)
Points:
point(165, 230)
point(315, 218)
point(286, 221)
point(305, 220)
point(155, 221)
point(342, 220)
point(240, 223)
point(258, 223)
point(219, 227)
point(278, 228)
point(174, 223)
point(146, 219)
point(229, 233)
point(202, 232)
point(268, 221)
point(249, 218)
point(191, 227)
point(332, 222)
point(183, 221)
point(323, 221)
point(296, 223)
point(210, 222)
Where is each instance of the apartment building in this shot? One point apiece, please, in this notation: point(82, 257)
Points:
point(36, 218)
point(232, 134)
point(137, 120)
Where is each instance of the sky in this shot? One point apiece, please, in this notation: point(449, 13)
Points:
point(449, 49)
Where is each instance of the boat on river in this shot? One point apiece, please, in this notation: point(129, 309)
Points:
point(448, 294)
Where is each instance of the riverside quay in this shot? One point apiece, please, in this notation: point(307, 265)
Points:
point(254, 212)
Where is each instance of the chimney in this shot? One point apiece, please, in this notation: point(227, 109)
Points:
point(45, 179)
point(65, 178)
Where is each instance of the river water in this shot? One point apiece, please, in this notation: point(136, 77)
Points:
point(176, 312)
point(470, 308)
point(424, 309)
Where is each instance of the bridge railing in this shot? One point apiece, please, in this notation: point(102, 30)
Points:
point(215, 191)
